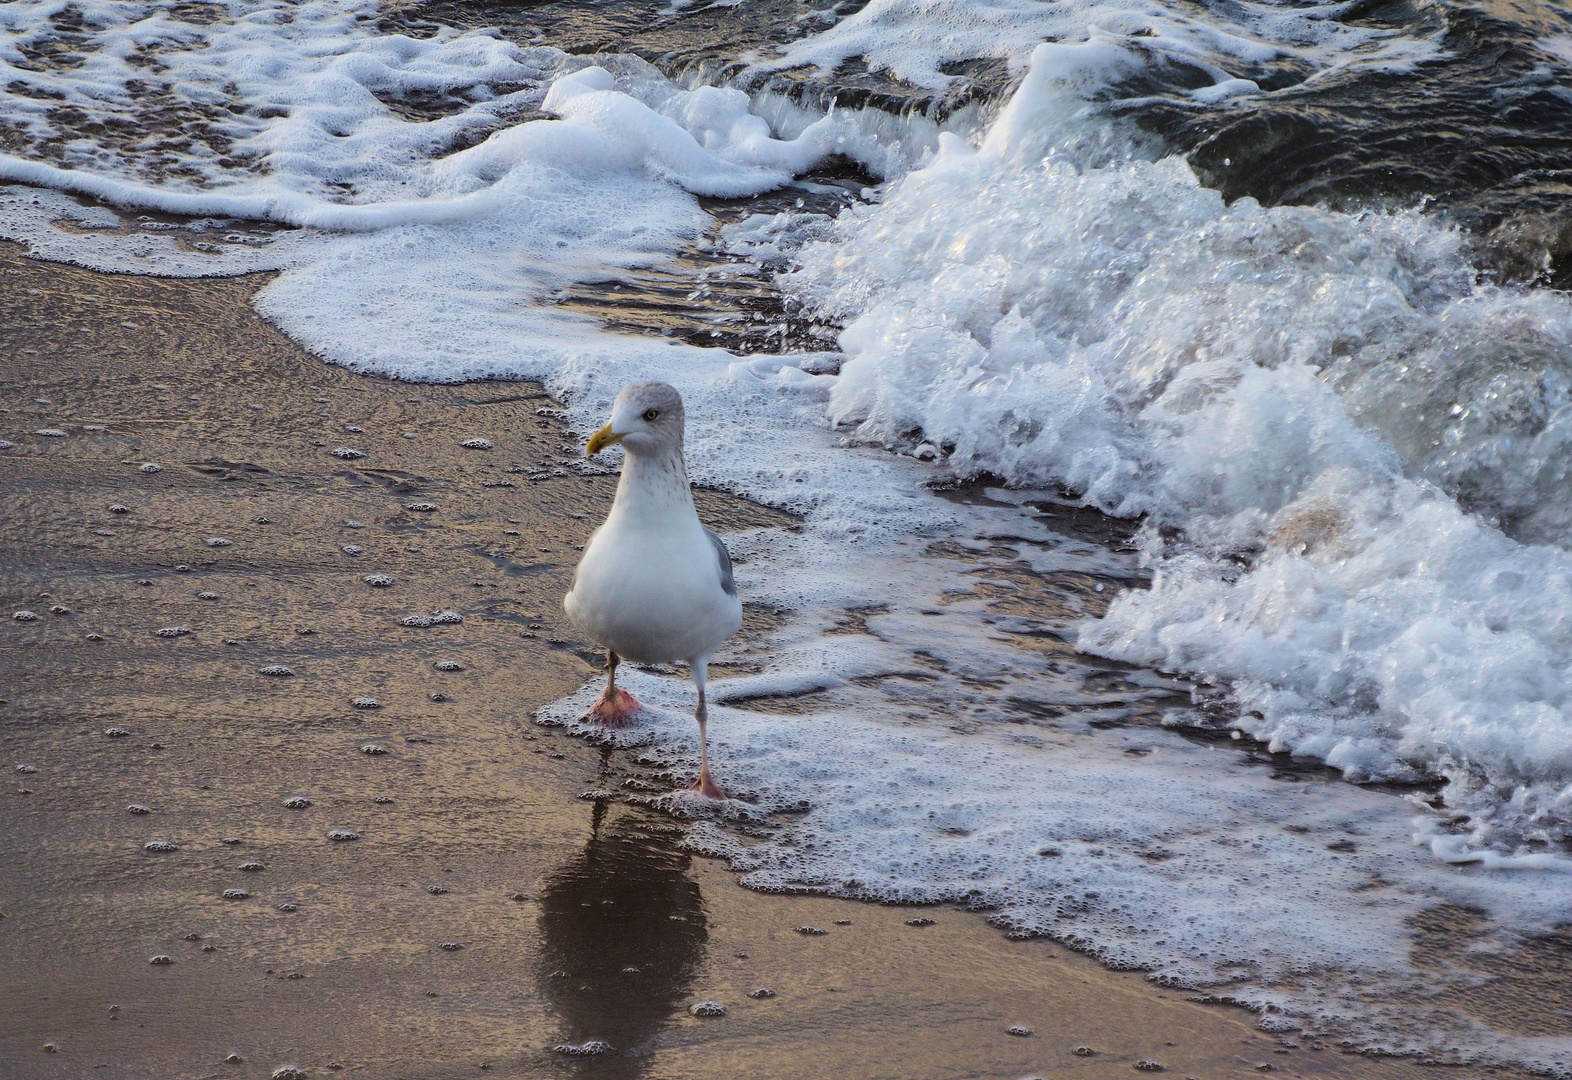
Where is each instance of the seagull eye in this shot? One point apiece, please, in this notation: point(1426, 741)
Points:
point(651, 414)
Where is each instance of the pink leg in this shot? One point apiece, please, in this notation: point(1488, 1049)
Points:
point(705, 785)
point(614, 707)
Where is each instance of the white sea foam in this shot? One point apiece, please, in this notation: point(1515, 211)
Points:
point(914, 40)
point(1066, 833)
point(1278, 382)
point(1050, 301)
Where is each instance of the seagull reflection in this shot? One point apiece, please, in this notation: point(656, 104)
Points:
point(622, 930)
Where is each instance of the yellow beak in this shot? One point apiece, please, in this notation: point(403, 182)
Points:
point(600, 440)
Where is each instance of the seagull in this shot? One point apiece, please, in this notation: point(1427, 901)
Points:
point(654, 586)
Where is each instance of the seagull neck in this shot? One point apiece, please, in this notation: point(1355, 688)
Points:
point(653, 485)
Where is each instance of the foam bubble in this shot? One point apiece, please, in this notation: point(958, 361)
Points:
point(436, 618)
point(588, 1048)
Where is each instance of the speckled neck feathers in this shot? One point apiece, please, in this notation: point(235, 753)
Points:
point(654, 484)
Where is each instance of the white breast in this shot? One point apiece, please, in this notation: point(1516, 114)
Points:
point(650, 590)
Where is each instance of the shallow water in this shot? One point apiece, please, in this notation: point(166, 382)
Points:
point(430, 946)
point(1270, 285)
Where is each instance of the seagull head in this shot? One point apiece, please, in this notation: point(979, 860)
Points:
point(646, 419)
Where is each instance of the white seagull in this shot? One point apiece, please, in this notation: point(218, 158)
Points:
point(654, 585)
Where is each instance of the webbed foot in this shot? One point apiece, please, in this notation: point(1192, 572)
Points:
point(614, 708)
point(706, 786)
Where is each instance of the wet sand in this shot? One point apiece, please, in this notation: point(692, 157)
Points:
point(484, 915)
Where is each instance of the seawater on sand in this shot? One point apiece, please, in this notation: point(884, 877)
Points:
point(470, 831)
point(1023, 301)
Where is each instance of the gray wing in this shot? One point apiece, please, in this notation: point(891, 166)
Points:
point(727, 581)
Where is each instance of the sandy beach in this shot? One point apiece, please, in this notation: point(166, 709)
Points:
point(484, 916)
